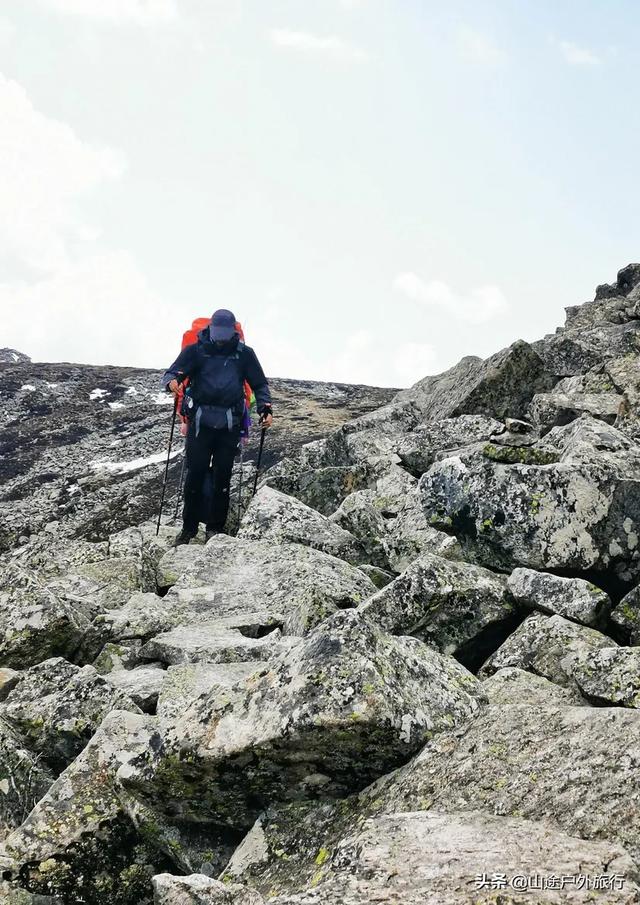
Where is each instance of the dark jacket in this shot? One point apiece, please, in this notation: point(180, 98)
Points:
point(216, 374)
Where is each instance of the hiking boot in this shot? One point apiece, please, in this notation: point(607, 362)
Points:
point(211, 533)
point(183, 538)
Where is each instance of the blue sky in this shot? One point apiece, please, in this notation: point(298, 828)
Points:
point(375, 187)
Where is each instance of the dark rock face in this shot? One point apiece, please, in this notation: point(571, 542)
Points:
point(413, 659)
point(11, 356)
point(501, 386)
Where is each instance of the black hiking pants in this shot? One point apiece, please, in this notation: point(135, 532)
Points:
point(222, 445)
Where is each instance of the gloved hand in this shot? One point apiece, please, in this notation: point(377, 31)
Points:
point(174, 385)
point(266, 416)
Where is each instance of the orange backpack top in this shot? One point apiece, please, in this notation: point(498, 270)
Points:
point(189, 337)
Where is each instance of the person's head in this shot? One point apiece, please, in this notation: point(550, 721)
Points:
point(223, 326)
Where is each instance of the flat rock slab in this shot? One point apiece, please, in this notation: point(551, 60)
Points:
point(452, 605)
point(185, 684)
point(428, 857)
point(276, 517)
point(573, 768)
point(511, 685)
point(209, 642)
point(346, 704)
point(573, 598)
point(233, 576)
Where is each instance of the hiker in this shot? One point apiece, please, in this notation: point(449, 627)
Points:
point(217, 366)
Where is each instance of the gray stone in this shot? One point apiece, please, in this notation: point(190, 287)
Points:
point(185, 684)
point(456, 607)
point(501, 386)
point(197, 889)
point(57, 707)
point(13, 895)
point(345, 705)
point(570, 515)
point(573, 598)
point(359, 515)
point(390, 488)
point(144, 616)
point(551, 647)
point(112, 657)
point(380, 577)
point(420, 448)
point(571, 768)
point(626, 616)
point(511, 685)
point(209, 642)
point(552, 409)
point(431, 857)
point(302, 585)
point(322, 488)
point(280, 519)
point(35, 625)
point(173, 563)
point(8, 680)
point(410, 535)
point(142, 685)
point(610, 675)
point(78, 843)
point(24, 779)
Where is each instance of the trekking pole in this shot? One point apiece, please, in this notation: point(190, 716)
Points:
point(240, 482)
point(255, 483)
point(166, 468)
point(180, 487)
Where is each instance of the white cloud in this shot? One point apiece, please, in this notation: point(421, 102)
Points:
point(99, 310)
point(413, 361)
point(137, 12)
point(578, 56)
point(330, 46)
point(44, 170)
point(476, 307)
point(480, 47)
point(7, 30)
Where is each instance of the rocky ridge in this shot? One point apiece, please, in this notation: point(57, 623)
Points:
point(410, 673)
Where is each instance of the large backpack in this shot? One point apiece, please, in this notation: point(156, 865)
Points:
point(190, 337)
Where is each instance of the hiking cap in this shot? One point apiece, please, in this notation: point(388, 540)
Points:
point(223, 325)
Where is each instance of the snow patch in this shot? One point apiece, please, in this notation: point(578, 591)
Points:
point(134, 464)
point(163, 399)
point(116, 405)
point(98, 394)
point(131, 392)
point(28, 388)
